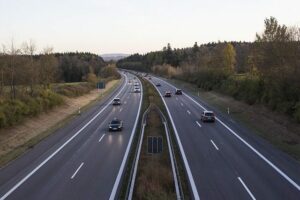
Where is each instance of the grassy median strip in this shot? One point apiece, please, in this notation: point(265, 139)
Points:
point(150, 96)
point(19, 150)
point(154, 177)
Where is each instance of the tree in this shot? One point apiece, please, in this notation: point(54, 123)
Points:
point(48, 67)
point(229, 57)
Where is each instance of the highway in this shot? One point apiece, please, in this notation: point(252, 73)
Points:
point(81, 160)
point(225, 160)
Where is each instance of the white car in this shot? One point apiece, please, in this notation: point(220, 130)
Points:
point(136, 84)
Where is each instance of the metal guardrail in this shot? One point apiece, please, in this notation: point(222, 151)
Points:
point(132, 176)
point(177, 180)
point(133, 173)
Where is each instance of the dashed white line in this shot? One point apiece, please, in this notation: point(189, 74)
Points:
point(291, 181)
point(121, 109)
point(101, 137)
point(181, 104)
point(214, 145)
point(198, 124)
point(246, 188)
point(125, 102)
point(188, 112)
point(77, 170)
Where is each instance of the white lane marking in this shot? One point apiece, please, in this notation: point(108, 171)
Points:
point(198, 124)
point(121, 170)
point(246, 188)
point(101, 137)
point(77, 170)
point(125, 102)
point(292, 182)
point(59, 149)
point(176, 99)
point(121, 109)
point(186, 164)
point(188, 112)
point(214, 145)
point(181, 104)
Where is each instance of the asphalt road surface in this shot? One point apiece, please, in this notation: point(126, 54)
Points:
point(81, 160)
point(224, 160)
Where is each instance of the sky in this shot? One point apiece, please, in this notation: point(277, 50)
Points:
point(137, 26)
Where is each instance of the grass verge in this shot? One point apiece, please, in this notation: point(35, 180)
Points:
point(19, 150)
point(271, 126)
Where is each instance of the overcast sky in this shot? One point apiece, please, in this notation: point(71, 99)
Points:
point(129, 26)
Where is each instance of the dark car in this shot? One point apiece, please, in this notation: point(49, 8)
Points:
point(178, 92)
point(168, 94)
point(115, 125)
point(158, 84)
point(208, 116)
point(116, 101)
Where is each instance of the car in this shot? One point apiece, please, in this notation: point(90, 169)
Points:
point(158, 84)
point(178, 92)
point(136, 90)
point(115, 125)
point(208, 116)
point(136, 84)
point(168, 94)
point(116, 102)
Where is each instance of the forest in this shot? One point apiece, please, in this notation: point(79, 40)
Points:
point(31, 82)
point(265, 71)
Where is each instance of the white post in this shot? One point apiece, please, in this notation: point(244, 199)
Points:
point(228, 110)
point(79, 112)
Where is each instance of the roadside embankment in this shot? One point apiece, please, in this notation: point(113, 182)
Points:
point(18, 138)
point(276, 128)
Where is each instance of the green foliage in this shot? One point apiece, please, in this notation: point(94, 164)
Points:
point(14, 111)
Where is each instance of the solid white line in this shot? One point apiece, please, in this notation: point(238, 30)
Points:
point(188, 112)
point(246, 188)
point(198, 124)
point(121, 109)
point(77, 170)
point(121, 170)
point(136, 164)
point(247, 144)
point(214, 145)
point(186, 164)
point(59, 149)
point(101, 137)
point(172, 162)
point(181, 104)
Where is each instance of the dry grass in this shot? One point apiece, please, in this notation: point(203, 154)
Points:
point(154, 178)
point(20, 137)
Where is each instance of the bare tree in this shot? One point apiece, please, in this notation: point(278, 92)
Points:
point(29, 49)
point(48, 67)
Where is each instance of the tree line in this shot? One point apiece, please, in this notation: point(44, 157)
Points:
point(266, 71)
point(31, 82)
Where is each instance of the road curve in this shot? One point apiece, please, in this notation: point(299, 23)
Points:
point(81, 160)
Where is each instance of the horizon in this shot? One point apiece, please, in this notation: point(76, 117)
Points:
point(107, 27)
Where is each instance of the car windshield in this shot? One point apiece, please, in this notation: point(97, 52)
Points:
point(208, 114)
point(115, 122)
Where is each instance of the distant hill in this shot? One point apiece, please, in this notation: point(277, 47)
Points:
point(114, 56)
